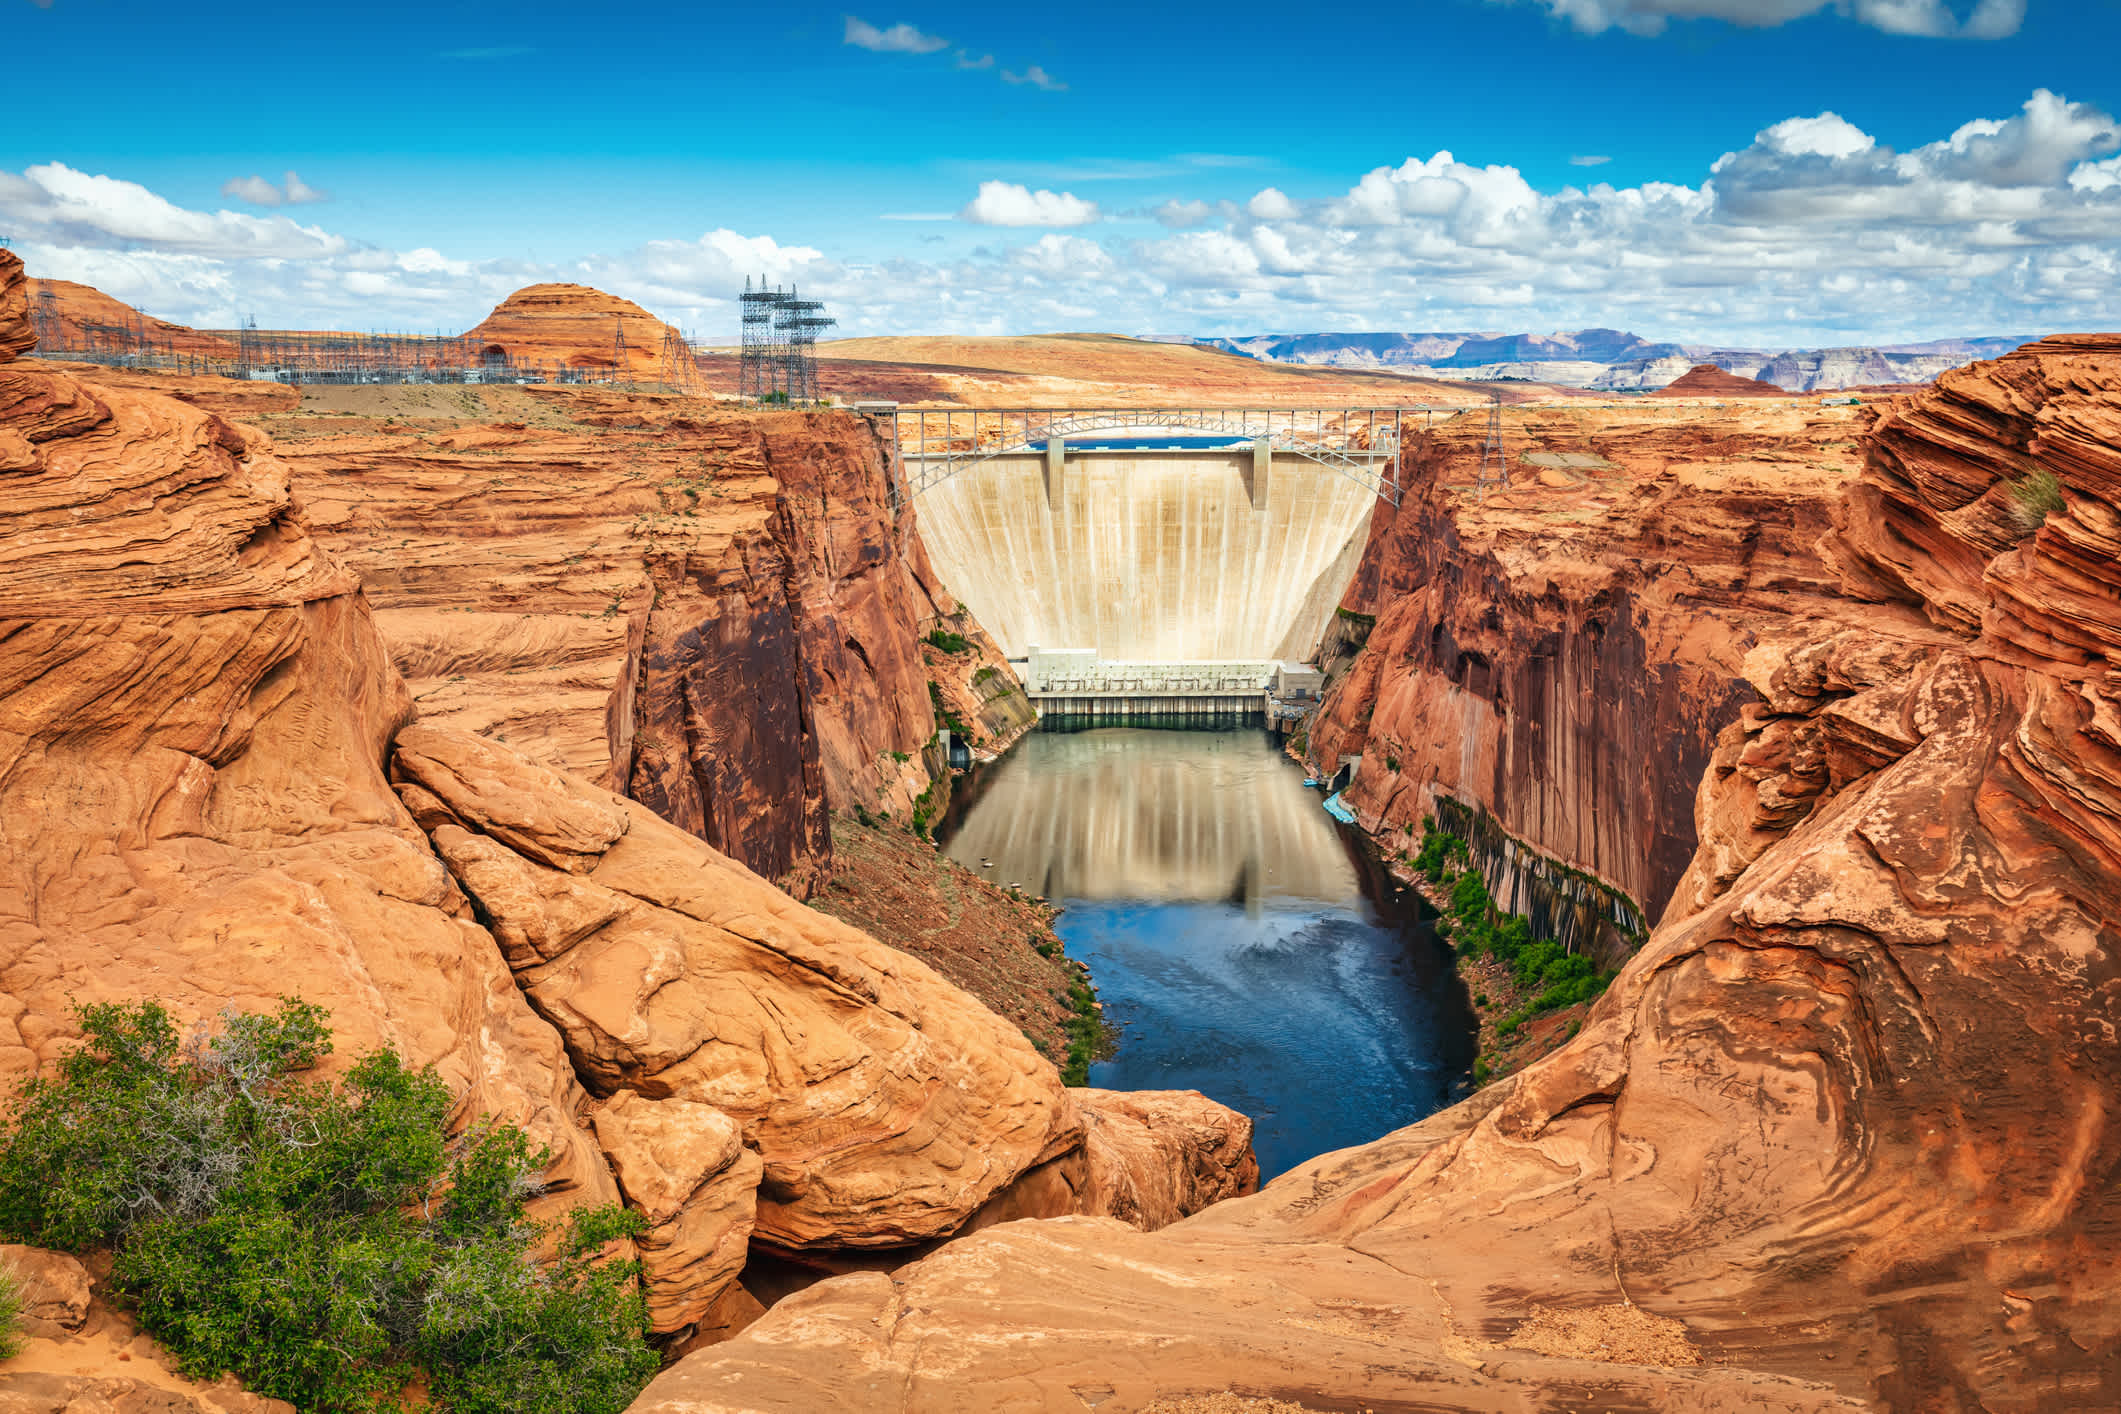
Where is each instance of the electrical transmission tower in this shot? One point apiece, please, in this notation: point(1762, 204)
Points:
point(47, 318)
point(758, 369)
point(779, 359)
point(618, 349)
point(1494, 467)
point(679, 370)
point(800, 321)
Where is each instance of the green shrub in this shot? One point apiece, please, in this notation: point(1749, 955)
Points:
point(944, 716)
point(2037, 496)
point(1543, 970)
point(1088, 1039)
point(951, 643)
point(984, 674)
point(12, 1303)
point(325, 1244)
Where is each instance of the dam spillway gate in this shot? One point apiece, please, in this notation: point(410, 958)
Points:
point(935, 445)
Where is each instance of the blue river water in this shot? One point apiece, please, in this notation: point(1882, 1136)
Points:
point(1245, 944)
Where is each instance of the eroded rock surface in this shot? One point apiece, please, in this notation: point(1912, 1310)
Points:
point(712, 611)
point(1844, 1117)
point(886, 1104)
point(194, 709)
point(1563, 654)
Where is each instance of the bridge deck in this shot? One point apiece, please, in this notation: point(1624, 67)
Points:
point(1362, 443)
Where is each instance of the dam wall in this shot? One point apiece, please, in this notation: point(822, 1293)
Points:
point(1149, 556)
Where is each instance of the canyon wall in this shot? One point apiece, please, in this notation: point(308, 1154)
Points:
point(712, 611)
point(1838, 1135)
point(1151, 558)
point(213, 794)
point(1562, 654)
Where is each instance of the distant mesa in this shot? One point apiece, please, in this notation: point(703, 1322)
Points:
point(1706, 380)
point(575, 326)
point(73, 316)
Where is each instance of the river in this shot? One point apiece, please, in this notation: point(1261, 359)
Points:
point(1245, 944)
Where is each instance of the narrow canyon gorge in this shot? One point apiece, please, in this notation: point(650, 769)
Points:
point(537, 732)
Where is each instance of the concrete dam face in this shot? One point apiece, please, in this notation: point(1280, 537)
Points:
point(1150, 557)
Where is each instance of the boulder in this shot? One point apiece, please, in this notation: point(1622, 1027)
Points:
point(886, 1104)
point(684, 1168)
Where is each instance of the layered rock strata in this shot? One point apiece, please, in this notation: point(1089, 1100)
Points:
point(579, 327)
point(1844, 1116)
point(714, 612)
point(196, 714)
point(1561, 654)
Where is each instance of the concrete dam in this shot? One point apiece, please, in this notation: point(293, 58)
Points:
point(1150, 570)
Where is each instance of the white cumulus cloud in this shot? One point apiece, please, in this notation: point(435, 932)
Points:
point(898, 39)
point(1008, 204)
point(259, 192)
point(1037, 78)
point(1986, 19)
point(1810, 231)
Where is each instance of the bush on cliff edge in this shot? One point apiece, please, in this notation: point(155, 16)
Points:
point(1547, 975)
point(328, 1245)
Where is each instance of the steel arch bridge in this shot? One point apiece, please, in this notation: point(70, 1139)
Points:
point(1361, 443)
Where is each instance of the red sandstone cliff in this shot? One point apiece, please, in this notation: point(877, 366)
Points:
point(713, 611)
point(1563, 655)
point(212, 793)
point(84, 314)
point(578, 326)
point(1841, 1125)
point(1706, 380)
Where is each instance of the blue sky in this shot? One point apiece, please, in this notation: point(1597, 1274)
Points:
point(1768, 172)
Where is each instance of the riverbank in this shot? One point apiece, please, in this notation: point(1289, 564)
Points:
point(1511, 1035)
point(999, 944)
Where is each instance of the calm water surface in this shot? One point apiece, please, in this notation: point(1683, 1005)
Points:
point(1245, 944)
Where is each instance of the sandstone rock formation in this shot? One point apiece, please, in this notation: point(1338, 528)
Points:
point(83, 315)
point(196, 711)
point(80, 1356)
point(1706, 380)
point(1160, 1155)
point(1563, 655)
point(194, 707)
point(1844, 1116)
point(712, 611)
point(886, 1104)
point(16, 334)
point(576, 326)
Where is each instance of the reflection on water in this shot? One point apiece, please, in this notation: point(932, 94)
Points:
point(1124, 813)
point(1235, 933)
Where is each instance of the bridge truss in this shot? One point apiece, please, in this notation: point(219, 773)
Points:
point(1361, 444)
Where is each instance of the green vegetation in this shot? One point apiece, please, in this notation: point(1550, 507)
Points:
point(2038, 496)
point(923, 811)
point(1088, 1038)
point(11, 1307)
point(1544, 972)
point(951, 643)
point(944, 716)
point(1359, 620)
point(986, 673)
point(331, 1246)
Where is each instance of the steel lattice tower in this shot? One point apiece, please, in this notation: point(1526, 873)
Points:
point(1494, 467)
point(759, 368)
point(799, 323)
